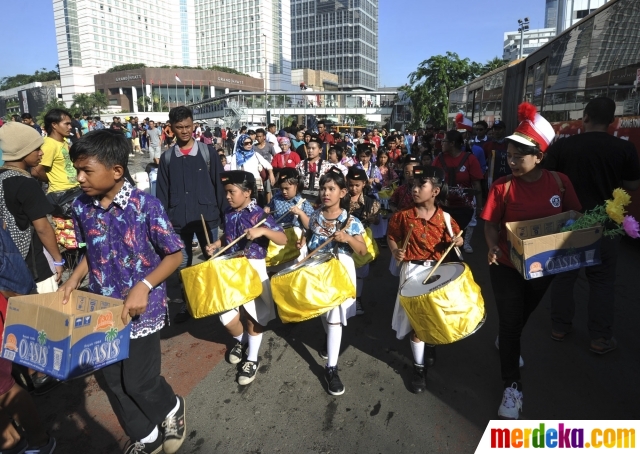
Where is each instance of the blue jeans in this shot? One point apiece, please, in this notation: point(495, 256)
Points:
point(186, 233)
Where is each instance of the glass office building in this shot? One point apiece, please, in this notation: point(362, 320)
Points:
point(235, 34)
point(96, 35)
point(337, 36)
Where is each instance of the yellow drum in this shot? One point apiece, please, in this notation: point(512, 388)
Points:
point(306, 290)
point(448, 308)
point(372, 250)
point(219, 285)
point(277, 255)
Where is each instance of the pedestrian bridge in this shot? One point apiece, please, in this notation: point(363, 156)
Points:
point(250, 107)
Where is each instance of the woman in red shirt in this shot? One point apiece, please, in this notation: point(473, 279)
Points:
point(286, 158)
point(463, 175)
point(530, 193)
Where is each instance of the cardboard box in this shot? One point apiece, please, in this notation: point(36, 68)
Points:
point(65, 341)
point(537, 247)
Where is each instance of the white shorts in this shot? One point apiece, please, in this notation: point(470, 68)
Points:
point(155, 152)
point(262, 309)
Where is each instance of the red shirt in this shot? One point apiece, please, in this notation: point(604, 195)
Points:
point(428, 239)
point(526, 201)
point(402, 197)
point(376, 139)
point(327, 138)
point(468, 173)
point(185, 151)
point(282, 160)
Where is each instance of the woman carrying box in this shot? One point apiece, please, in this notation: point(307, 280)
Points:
point(529, 193)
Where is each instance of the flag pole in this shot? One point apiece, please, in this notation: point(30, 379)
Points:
point(151, 89)
point(144, 95)
point(168, 97)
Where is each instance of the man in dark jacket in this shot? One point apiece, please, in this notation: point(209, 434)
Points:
point(596, 163)
point(189, 186)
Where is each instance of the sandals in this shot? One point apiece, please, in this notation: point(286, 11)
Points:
point(602, 346)
point(558, 335)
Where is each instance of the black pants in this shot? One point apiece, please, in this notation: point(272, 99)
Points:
point(462, 215)
point(601, 304)
point(516, 299)
point(186, 234)
point(142, 396)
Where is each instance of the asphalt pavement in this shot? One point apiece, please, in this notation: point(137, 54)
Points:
point(287, 409)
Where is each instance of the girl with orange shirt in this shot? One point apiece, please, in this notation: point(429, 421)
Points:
point(433, 231)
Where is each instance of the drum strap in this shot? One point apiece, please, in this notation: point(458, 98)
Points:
point(447, 221)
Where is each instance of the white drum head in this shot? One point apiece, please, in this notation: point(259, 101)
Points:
point(317, 259)
point(445, 273)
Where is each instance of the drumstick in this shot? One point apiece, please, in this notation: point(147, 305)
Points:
point(206, 230)
point(237, 239)
point(406, 243)
point(316, 250)
point(299, 204)
point(451, 246)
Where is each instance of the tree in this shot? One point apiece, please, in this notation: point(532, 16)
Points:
point(83, 102)
point(125, 67)
point(493, 64)
point(356, 120)
point(99, 101)
point(143, 103)
point(41, 75)
point(430, 84)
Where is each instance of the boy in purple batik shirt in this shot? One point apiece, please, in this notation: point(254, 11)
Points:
point(131, 250)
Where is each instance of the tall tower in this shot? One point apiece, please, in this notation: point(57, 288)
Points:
point(572, 11)
point(551, 14)
point(337, 36)
point(250, 36)
point(95, 35)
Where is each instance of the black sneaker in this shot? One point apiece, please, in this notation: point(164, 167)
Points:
point(359, 309)
point(183, 315)
point(45, 449)
point(236, 354)
point(138, 447)
point(419, 380)
point(174, 429)
point(323, 351)
point(248, 371)
point(334, 384)
point(429, 355)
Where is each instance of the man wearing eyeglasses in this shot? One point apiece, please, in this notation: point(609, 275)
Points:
point(480, 130)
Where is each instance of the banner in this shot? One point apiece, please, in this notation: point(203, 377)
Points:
point(506, 435)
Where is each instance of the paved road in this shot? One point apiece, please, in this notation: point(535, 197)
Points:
point(287, 410)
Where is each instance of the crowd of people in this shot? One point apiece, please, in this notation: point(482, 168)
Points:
point(413, 192)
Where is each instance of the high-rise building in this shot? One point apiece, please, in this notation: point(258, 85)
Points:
point(95, 35)
point(532, 41)
point(337, 36)
point(571, 11)
point(551, 14)
point(251, 36)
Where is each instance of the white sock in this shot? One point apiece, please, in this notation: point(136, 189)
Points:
point(418, 351)
point(241, 338)
point(323, 319)
point(175, 409)
point(254, 346)
point(153, 436)
point(334, 337)
point(359, 286)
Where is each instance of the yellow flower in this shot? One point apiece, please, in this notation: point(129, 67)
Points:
point(621, 197)
point(615, 211)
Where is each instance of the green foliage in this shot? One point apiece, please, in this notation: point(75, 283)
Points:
point(493, 64)
point(41, 75)
point(83, 103)
point(126, 67)
point(358, 120)
point(430, 84)
point(99, 100)
point(224, 69)
point(144, 103)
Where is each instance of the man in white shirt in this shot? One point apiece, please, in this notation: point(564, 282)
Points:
point(272, 139)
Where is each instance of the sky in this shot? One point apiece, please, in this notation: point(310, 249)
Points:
point(410, 31)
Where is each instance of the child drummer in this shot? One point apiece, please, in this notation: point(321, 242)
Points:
point(366, 208)
point(241, 217)
point(332, 220)
point(429, 238)
point(284, 203)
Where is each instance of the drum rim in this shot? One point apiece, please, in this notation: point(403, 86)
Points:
point(233, 255)
point(317, 259)
point(464, 265)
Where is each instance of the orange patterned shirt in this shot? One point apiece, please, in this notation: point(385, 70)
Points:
point(429, 238)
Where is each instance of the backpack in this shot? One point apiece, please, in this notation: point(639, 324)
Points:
point(202, 148)
point(14, 273)
point(21, 238)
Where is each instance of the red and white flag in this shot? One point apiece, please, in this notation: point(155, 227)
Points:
point(177, 78)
